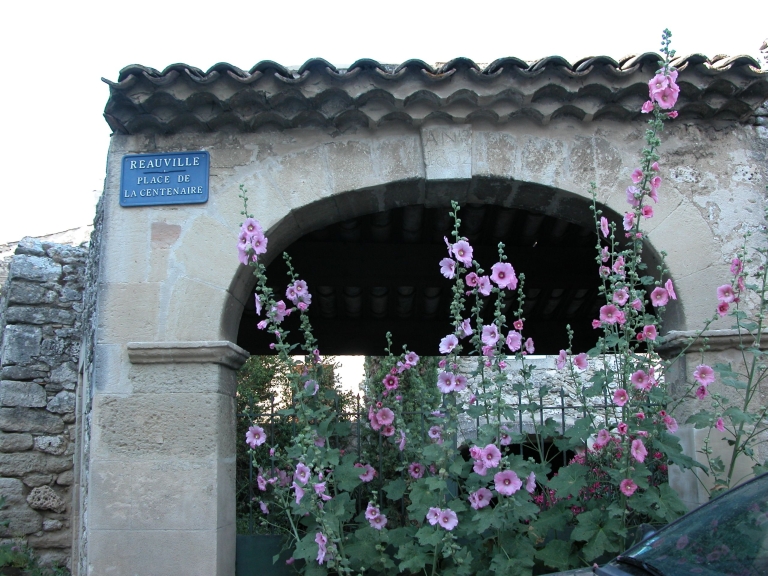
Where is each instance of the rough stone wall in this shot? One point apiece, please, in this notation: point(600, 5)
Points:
point(40, 320)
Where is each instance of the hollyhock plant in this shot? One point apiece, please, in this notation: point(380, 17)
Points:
point(628, 487)
point(368, 473)
point(639, 452)
point(463, 252)
point(503, 275)
point(704, 374)
point(416, 470)
point(448, 343)
point(448, 268)
point(480, 498)
point(507, 483)
point(448, 519)
point(659, 297)
point(620, 397)
point(255, 436)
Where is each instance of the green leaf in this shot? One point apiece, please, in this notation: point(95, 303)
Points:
point(701, 420)
point(395, 489)
point(670, 445)
point(602, 534)
point(556, 554)
point(738, 416)
point(430, 535)
point(345, 475)
point(569, 480)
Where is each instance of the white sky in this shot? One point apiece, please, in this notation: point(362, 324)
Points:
point(53, 54)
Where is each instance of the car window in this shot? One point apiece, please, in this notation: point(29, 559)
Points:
point(728, 536)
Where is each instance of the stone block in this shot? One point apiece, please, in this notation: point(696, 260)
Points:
point(23, 463)
point(51, 539)
point(35, 480)
point(51, 525)
point(210, 237)
point(30, 246)
point(21, 344)
point(128, 312)
point(24, 372)
point(66, 478)
point(26, 394)
point(35, 268)
point(23, 520)
point(66, 375)
point(63, 403)
point(447, 152)
point(45, 498)
point(19, 419)
point(206, 323)
point(15, 442)
point(51, 444)
point(30, 293)
point(40, 315)
point(188, 377)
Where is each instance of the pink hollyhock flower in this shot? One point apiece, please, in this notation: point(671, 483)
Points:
point(416, 470)
point(637, 304)
point(378, 522)
point(529, 346)
point(369, 473)
point(633, 196)
point(621, 318)
point(621, 296)
point(264, 507)
point(517, 324)
point(476, 452)
point(401, 444)
point(719, 425)
point(385, 416)
point(433, 515)
point(604, 272)
point(261, 482)
point(670, 289)
point(471, 279)
point(649, 332)
point(604, 226)
point(637, 175)
point(251, 227)
point(311, 386)
point(609, 314)
point(627, 487)
point(605, 254)
point(562, 358)
point(446, 382)
point(280, 311)
point(647, 107)
point(659, 297)
point(641, 380)
point(479, 468)
point(320, 491)
point(460, 382)
point(701, 392)
point(259, 243)
point(666, 98)
point(481, 498)
point(255, 436)
point(411, 358)
point(371, 511)
point(302, 473)
point(704, 375)
point(618, 266)
point(466, 328)
point(388, 430)
point(581, 362)
point(448, 268)
point(436, 433)
point(504, 438)
point(640, 416)
point(736, 266)
point(722, 308)
point(657, 84)
point(257, 303)
point(463, 252)
point(654, 195)
point(448, 343)
point(299, 492)
point(319, 441)
point(491, 456)
point(655, 167)
point(514, 340)
point(603, 437)
point(321, 550)
point(655, 182)
point(647, 211)
point(638, 450)
point(490, 335)
point(390, 382)
point(448, 519)
point(530, 483)
point(670, 423)
point(672, 115)
point(620, 397)
point(629, 221)
point(375, 424)
point(725, 293)
point(622, 428)
point(484, 285)
point(507, 482)
point(503, 275)
point(596, 324)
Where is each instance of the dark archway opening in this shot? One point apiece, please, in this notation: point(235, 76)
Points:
point(380, 272)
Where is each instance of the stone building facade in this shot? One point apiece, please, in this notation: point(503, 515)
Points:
point(118, 404)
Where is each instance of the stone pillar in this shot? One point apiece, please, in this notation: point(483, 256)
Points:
point(162, 468)
point(685, 349)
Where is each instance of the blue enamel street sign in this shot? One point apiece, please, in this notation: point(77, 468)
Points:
point(169, 178)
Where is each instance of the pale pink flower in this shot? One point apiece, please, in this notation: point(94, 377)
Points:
point(448, 519)
point(605, 254)
point(604, 272)
point(491, 456)
point(280, 311)
point(321, 491)
point(637, 175)
point(507, 482)
point(670, 423)
point(369, 473)
point(529, 346)
point(459, 382)
point(629, 221)
point(390, 382)
point(503, 275)
point(251, 227)
point(655, 182)
point(666, 98)
point(655, 167)
point(627, 487)
point(321, 550)
point(530, 483)
point(609, 314)
point(562, 358)
point(463, 252)
point(311, 386)
point(481, 498)
point(401, 444)
point(261, 482)
point(490, 335)
point(484, 285)
point(596, 324)
point(719, 425)
point(479, 467)
point(701, 392)
point(416, 470)
point(640, 416)
point(433, 515)
point(257, 303)
point(649, 332)
point(255, 436)
point(659, 297)
point(446, 382)
point(641, 380)
point(388, 430)
point(704, 374)
point(620, 397)
point(725, 293)
point(264, 507)
point(647, 211)
point(736, 266)
point(411, 359)
point(448, 343)
point(603, 437)
point(385, 416)
point(471, 279)
point(448, 268)
point(580, 361)
point(657, 84)
point(299, 492)
point(618, 266)
point(654, 195)
point(466, 328)
point(514, 340)
point(637, 304)
point(378, 522)
point(504, 438)
point(436, 433)
point(670, 289)
point(722, 308)
point(371, 511)
point(647, 107)
point(621, 296)
point(633, 196)
point(604, 226)
point(638, 450)
point(302, 473)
